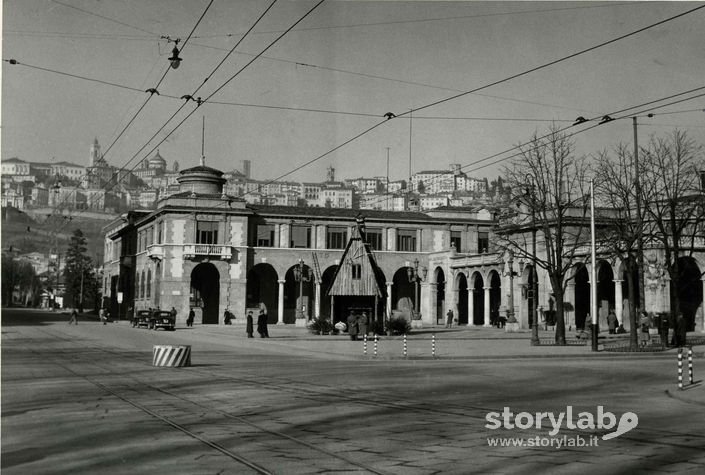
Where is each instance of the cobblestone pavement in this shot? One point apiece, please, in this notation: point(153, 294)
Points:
point(85, 398)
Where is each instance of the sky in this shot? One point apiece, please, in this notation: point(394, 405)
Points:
point(317, 97)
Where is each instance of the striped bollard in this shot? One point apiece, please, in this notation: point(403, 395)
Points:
point(680, 368)
point(433, 345)
point(364, 344)
point(405, 348)
point(171, 356)
point(375, 345)
point(690, 365)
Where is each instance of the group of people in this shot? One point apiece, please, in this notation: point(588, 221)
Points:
point(262, 324)
point(679, 325)
point(357, 325)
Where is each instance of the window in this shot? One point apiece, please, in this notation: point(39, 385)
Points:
point(336, 237)
point(300, 236)
point(142, 279)
point(406, 240)
point(206, 232)
point(149, 283)
point(455, 240)
point(149, 237)
point(373, 237)
point(265, 235)
point(483, 241)
point(356, 271)
point(160, 232)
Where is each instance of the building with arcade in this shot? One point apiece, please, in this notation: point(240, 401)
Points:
point(205, 250)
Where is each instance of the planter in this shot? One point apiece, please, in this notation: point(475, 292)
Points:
point(511, 327)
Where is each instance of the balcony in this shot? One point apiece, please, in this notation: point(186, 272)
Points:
point(211, 251)
point(155, 252)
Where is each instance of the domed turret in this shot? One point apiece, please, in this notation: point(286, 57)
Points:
point(201, 179)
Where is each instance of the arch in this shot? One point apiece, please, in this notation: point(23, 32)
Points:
point(478, 298)
point(262, 287)
point(582, 296)
point(690, 289)
point(298, 295)
point(462, 286)
point(440, 300)
point(403, 293)
point(495, 295)
point(605, 292)
point(326, 282)
point(205, 288)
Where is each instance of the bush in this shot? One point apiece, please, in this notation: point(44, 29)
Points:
point(398, 326)
point(320, 325)
point(377, 328)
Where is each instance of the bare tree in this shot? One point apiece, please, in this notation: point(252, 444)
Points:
point(549, 181)
point(673, 199)
point(614, 189)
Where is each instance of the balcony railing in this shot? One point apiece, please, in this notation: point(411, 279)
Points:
point(217, 251)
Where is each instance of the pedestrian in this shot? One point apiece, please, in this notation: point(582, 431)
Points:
point(74, 317)
point(352, 326)
point(262, 324)
point(173, 313)
point(681, 330)
point(612, 322)
point(663, 326)
point(101, 315)
point(107, 317)
point(449, 318)
point(362, 323)
point(644, 336)
point(227, 317)
point(249, 328)
point(191, 317)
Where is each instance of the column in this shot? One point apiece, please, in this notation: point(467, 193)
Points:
point(280, 304)
point(618, 300)
point(389, 300)
point(317, 302)
point(486, 316)
point(471, 305)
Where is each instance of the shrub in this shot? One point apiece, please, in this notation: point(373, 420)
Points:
point(377, 328)
point(320, 325)
point(398, 326)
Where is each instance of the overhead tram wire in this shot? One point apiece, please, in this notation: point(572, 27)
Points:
point(456, 96)
point(545, 65)
point(144, 104)
point(227, 81)
point(518, 147)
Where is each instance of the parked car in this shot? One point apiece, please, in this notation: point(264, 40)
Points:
point(161, 319)
point(141, 319)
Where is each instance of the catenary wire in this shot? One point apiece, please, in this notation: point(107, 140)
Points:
point(226, 82)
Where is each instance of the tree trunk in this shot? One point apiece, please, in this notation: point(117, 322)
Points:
point(633, 334)
point(560, 317)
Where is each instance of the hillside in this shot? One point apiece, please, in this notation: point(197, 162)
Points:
point(35, 232)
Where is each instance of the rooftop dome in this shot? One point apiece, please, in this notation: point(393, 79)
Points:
point(201, 179)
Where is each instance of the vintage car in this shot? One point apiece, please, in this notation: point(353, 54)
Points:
point(142, 319)
point(161, 319)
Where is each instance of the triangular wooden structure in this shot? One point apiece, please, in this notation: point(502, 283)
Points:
point(358, 273)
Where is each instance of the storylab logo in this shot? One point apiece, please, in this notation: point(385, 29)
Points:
point(599, 420)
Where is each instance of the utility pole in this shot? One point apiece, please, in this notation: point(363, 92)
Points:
point(639, 222)
point(593, 273)
point(408, 185)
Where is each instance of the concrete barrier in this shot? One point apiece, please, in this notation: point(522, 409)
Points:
point(171, 356)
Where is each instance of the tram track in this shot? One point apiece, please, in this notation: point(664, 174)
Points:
point(317, 392)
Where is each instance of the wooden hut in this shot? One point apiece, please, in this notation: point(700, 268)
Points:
point(358, 283)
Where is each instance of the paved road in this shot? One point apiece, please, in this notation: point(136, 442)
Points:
point(85, 398)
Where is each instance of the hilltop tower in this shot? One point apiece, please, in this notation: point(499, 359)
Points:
point(95, 154)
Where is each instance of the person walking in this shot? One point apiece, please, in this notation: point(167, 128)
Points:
point(681, 330)
point(362, 323)
point(612, 322)
point(101, 315)
point(249, 327)
point(663, 326)
point(449, 318)
point(352, 326)
point(644, 324)
point(262, 324)
point(74, 317)
point(227, 317)
point(191, 317)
